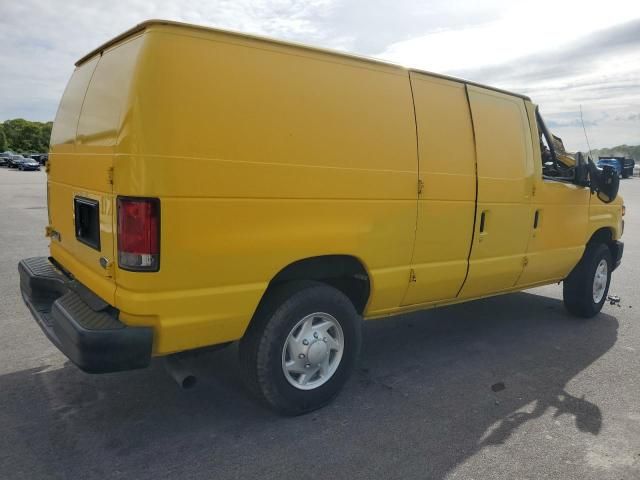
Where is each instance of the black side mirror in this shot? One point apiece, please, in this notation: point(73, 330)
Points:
point(605, 182)
point(608, 184)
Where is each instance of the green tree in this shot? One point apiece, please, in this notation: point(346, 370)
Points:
point(25, 136)
point(629, 151)
point(3, 139)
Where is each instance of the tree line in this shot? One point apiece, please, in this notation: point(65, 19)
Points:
point(629, 151)
point(23, 136)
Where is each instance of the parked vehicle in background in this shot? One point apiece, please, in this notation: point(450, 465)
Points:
point(28, 164)
point(41, 158)
point(14, 160)
point(325, 194)
point(628, 166)
point(623, 165)
point(602, 161)
point(4, 158)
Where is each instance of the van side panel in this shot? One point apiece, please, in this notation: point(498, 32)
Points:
point(505, 185)
point(262, 155)
point(447, 204)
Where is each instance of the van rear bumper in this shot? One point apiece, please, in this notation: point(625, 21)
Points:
point(83, 327)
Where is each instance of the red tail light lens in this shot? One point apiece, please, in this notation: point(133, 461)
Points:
point(139, 234)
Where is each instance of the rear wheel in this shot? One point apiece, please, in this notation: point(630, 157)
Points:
point(585, 289)
point(301, 347)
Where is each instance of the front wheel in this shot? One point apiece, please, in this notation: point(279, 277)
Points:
point(585, 289)
point(301, 347)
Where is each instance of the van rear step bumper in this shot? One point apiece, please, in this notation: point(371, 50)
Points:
point(83, 327)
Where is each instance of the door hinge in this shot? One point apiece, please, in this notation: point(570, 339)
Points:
point(110, 175)
point(420, 187)
point(412, 276)
point(525, 261)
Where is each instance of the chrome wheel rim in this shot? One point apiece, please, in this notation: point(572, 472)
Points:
point(600, 281)
point(313, 350)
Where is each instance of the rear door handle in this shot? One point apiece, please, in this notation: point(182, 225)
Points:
point(482, 221)
point(536, 219)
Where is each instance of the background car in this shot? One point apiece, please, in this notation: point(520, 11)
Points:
point(4, 158)
point(28, 164)
point(15, 160)
point(612, 162)
point(40, 157)
point(624, 165)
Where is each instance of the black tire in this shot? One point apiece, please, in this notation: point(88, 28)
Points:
point(578, 286)
point(261, 348)
point(625, 174)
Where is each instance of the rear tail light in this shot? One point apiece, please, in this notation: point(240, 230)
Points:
point(139, 234)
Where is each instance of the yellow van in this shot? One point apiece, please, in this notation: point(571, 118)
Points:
point(206, 187)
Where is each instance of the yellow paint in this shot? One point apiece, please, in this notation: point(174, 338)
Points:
point(505, 185)
point(447, 203)
point(265, 153)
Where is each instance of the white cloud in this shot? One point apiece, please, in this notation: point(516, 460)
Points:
point(488, 41)
point(522, 28)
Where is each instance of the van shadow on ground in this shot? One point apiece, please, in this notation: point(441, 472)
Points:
point(420, 403)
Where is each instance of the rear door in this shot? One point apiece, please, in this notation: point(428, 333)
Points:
point(84, 140)
point(505, 186)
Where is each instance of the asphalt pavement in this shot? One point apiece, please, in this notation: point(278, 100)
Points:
point(510, 387)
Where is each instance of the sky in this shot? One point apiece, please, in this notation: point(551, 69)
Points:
point(564, 54)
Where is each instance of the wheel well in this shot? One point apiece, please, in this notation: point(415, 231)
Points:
point(343, 272)
point(605, 236)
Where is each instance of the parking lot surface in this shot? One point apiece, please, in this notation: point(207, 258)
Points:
point(505, 388)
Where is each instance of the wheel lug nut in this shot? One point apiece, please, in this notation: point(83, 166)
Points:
point(324, 339)
point(301, 355)
point(315, 334)
point(305, 342)
point(307, 365)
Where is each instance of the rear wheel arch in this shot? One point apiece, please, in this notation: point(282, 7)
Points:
point(345, 273)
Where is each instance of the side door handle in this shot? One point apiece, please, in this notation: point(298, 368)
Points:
point(536, 219)
point(482, 220)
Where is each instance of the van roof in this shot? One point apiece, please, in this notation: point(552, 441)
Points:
point(144, 25)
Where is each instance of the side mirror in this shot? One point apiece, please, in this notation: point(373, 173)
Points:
point(608, 184)
point(605, 182)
